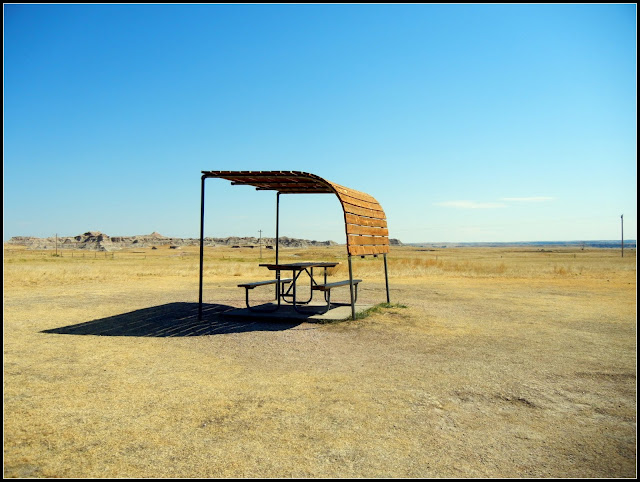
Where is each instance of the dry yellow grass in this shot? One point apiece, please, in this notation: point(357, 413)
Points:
point(505, 363)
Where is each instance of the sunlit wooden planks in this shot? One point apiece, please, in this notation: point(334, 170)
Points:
point(365, 250)
point(364, 221)
point(367, 240)
point(341, 190)
point(366, 230)
point(369, 213)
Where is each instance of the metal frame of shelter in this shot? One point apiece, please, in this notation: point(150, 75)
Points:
point(364, 219)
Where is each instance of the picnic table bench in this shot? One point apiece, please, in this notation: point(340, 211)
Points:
point(250, 286)
point(327, 287)
point(290, 295)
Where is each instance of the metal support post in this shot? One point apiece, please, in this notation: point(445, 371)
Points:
point(278, 245)
point(386, 276)
point(201, 247)
point(353, 303)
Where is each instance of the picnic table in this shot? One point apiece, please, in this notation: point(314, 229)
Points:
point(289, 295)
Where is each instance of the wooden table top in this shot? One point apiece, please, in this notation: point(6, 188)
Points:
point(300, 265)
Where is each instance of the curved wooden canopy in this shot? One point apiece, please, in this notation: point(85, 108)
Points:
point(364, 218)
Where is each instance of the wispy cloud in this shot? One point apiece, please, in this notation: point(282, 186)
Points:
point(470, 205)
point(532, 199)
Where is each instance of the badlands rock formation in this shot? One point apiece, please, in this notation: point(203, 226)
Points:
point(97, 241)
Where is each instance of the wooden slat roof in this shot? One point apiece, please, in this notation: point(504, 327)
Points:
point(365, 221)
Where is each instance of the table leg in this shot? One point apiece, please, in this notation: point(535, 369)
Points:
point(311, 282)
point(295, 278)
point(288, 293)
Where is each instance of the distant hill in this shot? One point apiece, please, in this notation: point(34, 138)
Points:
point(631, 243)
point(97, 241)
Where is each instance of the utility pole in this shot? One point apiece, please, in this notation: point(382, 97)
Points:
point(622, 229)
point(260, 242)
point(56, 245)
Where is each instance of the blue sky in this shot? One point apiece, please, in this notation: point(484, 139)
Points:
point(466, 122)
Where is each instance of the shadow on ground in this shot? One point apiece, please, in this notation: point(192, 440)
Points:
point(174, 319)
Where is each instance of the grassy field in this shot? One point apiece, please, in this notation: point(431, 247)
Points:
point(495, 363)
